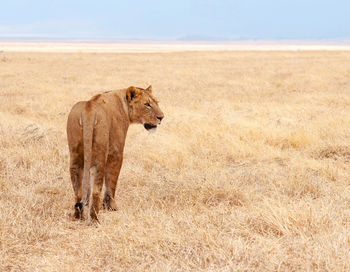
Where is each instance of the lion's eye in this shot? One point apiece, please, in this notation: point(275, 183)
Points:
point(148, 105)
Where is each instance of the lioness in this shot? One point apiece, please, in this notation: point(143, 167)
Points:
point(96, 131)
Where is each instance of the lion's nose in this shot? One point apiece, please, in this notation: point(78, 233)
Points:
point(160, 118)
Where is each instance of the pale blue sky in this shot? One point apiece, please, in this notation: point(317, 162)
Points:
point(170, 20)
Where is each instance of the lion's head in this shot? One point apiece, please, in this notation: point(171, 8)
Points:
point(143, 108)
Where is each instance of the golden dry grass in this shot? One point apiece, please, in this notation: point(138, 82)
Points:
point(248, 172)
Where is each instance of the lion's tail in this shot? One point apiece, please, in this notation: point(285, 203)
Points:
point(88, 122)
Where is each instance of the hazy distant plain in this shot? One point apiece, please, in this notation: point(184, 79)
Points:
point(144, 47)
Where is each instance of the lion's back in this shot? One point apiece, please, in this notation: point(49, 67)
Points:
point(88, 110)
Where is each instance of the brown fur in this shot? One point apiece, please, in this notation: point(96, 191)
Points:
point(96, 97)
point(96, 131)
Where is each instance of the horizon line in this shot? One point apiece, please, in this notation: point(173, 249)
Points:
point(43, 38)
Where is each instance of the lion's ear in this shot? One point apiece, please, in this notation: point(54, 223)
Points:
point(149, 88)
point(131, 93)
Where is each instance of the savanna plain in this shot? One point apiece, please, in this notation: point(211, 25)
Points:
point(249, 170)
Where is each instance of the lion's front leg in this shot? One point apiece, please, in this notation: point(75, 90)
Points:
point(114, 163)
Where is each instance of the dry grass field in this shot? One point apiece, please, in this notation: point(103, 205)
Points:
point(249, 171)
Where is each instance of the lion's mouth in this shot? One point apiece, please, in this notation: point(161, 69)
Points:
point(150, 128)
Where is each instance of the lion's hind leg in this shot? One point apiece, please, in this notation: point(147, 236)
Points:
point(98, 166)
point(97, 173)
point(114, 163)
point(76, 173)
